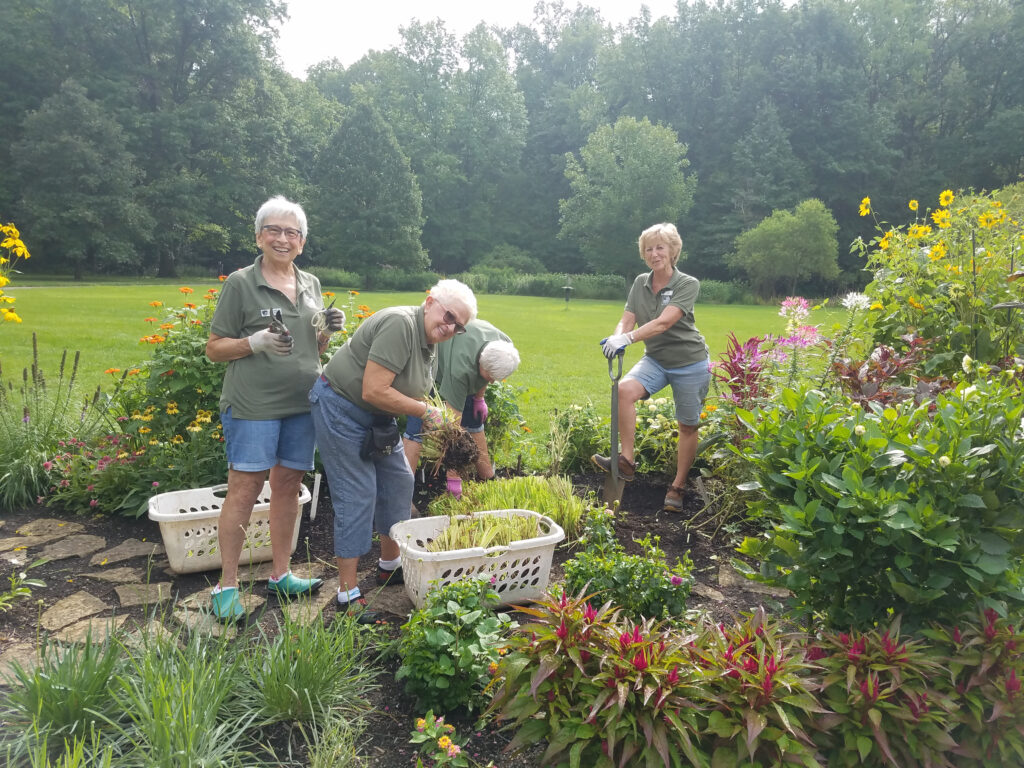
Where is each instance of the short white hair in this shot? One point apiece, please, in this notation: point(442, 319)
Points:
point(448, 291)
point(499, 359)
point(281, 206)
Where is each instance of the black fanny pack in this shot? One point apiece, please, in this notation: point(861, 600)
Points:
point(381, 438)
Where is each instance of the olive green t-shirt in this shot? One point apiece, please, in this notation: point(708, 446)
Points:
point(395, 338)
point(458, 362)
point(267, 386)
point(682, 344)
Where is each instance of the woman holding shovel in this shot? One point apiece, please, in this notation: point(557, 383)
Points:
point(659, 312)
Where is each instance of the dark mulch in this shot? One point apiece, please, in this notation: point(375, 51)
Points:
point(386, 742)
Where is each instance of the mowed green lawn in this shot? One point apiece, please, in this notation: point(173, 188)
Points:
point(561, 359)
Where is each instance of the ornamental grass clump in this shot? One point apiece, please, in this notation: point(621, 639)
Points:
point(551, 496)
point(497, 530)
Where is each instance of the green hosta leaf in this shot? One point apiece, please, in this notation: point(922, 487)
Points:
point(971, 501)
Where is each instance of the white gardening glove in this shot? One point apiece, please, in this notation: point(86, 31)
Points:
point(271, 343)
point(614, 343)
point(334, 320)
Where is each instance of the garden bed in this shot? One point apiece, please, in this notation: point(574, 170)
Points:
point(386, 742)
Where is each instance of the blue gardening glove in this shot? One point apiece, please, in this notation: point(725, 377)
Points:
point(613, 344)
point(334, 319)
point(480, 409)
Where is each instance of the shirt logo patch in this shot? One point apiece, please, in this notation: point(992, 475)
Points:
point(264, 313)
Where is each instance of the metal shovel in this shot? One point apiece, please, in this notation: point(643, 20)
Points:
point(612, 482)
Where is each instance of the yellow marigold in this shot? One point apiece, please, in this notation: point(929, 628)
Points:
point(865, 206)
point(710, 408)
point(186, 290)
point(915, 303)
point(912, 205)
point(946, 198)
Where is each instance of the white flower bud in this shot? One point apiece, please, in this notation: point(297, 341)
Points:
point(944, 461)
point(859, 430)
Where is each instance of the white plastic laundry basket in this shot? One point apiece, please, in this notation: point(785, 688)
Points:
point(520, 570)
point(189, 521)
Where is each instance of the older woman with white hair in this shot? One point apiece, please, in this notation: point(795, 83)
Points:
point(264, 329)
point(385, 370)
point(659, 312)
point(466, 364)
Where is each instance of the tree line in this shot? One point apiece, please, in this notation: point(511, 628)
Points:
point(139, 136)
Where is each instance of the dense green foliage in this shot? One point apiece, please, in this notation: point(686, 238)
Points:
point(179, 122)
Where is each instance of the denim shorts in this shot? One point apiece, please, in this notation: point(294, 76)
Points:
point(366, 493)
point(257, 445)
point(470, 423)
point(689, 385)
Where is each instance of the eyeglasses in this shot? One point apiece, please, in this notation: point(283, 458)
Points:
point(449, 318)
point(275, 231)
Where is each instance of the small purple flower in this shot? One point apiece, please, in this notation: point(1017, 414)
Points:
point(677, 580)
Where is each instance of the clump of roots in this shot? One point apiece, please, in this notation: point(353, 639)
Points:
point(449, 448)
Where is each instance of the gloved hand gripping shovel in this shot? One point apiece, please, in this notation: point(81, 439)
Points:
point(612, 482)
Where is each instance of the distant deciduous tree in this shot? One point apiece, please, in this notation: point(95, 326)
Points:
point(789, 251)
point(629, 175)
point(79, 185)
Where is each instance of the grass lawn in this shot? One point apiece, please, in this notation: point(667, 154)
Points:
point(561, 359)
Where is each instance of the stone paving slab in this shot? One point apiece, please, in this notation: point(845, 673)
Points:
point(708, 592)
point(306, 610)
point(143, 594)
point(730, 577)
point(248, 574)
point(97, 629)
point(126, 550)
point(11, 543)
point(73, 546)
point(45, 526)
point(71, 609)
point(123, 575)
point(22, 653)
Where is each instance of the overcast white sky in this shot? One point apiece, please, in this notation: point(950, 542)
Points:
point(347, 29)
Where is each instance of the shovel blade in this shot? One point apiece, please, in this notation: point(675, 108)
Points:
point(612, 493)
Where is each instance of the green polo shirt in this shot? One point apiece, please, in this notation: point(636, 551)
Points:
point(395, 338)
point(682, 344)
point(267, 386)
point(458, 362)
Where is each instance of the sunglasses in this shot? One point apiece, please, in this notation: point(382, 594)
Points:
point(449, 318)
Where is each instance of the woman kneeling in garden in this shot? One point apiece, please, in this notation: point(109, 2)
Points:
point(659, 312)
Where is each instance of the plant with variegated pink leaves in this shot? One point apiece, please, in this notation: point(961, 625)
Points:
point(601, 691)
point(761, 698)
point(885, 711)
point(983, 671)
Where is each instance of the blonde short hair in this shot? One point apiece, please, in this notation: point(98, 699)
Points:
point(663, 231)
